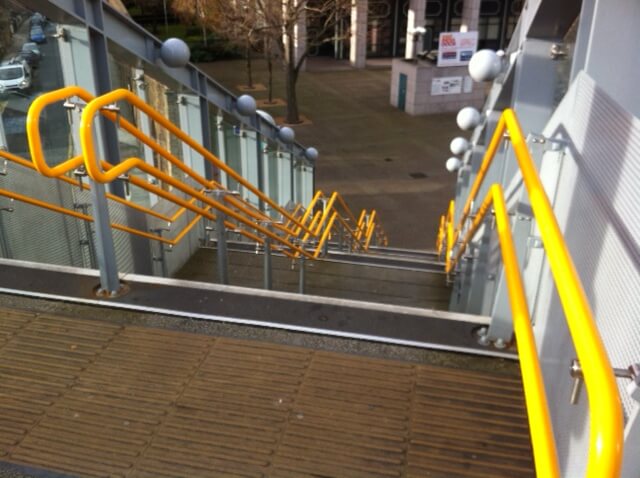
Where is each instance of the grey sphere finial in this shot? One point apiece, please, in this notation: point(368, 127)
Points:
point(453, 164)
point(459, 145)
point(468, 118)
point(286, 135)
point(246, 105)
point(485, 65)
point(175, 53)
point(311, 153)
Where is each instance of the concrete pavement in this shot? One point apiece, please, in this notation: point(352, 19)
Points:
point(375, 155)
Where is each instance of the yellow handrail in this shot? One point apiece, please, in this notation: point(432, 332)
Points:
point(113, 172)
point(243, 211)
point(606, 419)
point(97, 104)
point(27, 164)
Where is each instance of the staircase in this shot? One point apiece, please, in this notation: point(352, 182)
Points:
point(406, 278)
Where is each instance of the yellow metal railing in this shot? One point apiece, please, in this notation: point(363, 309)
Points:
point(252, 219)
point(606, 419)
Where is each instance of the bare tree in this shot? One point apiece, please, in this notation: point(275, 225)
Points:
point(282, 19)
point(287, 24)
point(234, 20)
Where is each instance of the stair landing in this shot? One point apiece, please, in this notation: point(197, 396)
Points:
point(95, 398)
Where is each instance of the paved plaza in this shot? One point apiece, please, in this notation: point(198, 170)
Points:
point(374, 154)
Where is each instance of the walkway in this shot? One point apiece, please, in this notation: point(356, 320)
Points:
point(99, 398)
point(375, 155)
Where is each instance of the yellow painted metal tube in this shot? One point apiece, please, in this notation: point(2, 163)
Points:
point(28, 164)
point(309, 213)
point(351, 232)
point(542, 438)
point(33, 131)
point(606, 419)
point(450, 236)
point(347, 209)
point(360, 225)
point(94, 106)
point(440, 238)
point(328, 207)
point(370, 228)
point(489, 154)
point(68, 212)
point(325, 235)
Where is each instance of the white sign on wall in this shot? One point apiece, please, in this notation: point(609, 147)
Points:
point(456, 48)
point(446, 85)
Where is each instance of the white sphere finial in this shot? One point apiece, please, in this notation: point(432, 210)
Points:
point(485, 65)
point(459, 145)
point(453, 164)
point(246, 105)
point(286, 135)
point(175, 53)
point(266, 116)
point(311, 153)
point(468, 118)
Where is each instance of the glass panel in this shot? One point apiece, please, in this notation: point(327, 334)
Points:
point(250, 154)
point(39, 54)
point(285, 178)
point(232, 152)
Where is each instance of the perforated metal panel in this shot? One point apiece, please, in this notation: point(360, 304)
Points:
point(598, 207)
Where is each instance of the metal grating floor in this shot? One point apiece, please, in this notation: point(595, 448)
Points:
point(91, 398)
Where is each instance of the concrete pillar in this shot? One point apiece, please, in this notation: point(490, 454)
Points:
point(415, 18)
point(299, 30)
point(300, 36)
point(470, 15)
point(358, 49)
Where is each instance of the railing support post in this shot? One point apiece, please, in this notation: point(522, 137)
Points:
point(93, 262)
point(105, 250)
point(301, 278)
point(221, 230)
point(268, 268)
point(162, 258)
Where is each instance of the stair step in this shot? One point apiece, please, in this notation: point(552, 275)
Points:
point(413, 286)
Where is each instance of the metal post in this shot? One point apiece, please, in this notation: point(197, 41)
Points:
point(221, 231)
point(340, 237)
point(162, 258)
point(4, 243)
point(268, 267)
point(301, 280)
point(105, 250)
point(93, 263)
point(223, 273)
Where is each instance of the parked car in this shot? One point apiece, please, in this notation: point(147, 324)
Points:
point(31, 54)
point(36, 34)
point(14, 76)
point(37, 19)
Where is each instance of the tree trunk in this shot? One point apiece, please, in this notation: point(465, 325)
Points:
point(249, 72)
point(293, 116)
point(270, 71)
point(204, 35)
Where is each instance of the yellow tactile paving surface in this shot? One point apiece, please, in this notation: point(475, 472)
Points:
point(90, 398)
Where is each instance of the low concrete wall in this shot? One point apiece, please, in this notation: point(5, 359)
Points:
point(419, 99)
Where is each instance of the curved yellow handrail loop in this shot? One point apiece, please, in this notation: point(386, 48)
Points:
point(370, 228)
point(94, 106)
point(325, 235)
point(74, 91)
point(33, 130)
point(606, 418)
